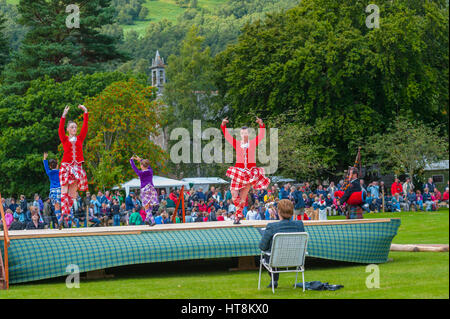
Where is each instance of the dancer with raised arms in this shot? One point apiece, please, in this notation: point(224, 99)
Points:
point(149, 196)
point(244, 174)
point(72, 176)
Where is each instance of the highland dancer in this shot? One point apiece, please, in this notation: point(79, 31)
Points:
point(245, 174)
point(72, 176)
point(51, 168)
point(149, 196)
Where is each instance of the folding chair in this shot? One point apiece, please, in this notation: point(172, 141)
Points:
point(288, 251)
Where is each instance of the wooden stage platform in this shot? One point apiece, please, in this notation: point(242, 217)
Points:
point(126, 230)
point(41, 254)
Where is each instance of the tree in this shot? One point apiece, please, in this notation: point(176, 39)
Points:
point(30, 127)
point(122, 119)
point(407, 147)
point(52, 48)
point(347, 81)
point(190, 93)
point(4, 45)
point(298, 156)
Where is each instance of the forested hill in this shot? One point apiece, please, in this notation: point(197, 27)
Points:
point(147, 25)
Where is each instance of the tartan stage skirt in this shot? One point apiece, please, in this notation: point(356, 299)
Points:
point(73, 173)
point(240, 177)
point(149, 196)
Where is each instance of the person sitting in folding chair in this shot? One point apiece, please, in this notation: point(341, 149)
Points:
point(285, 225)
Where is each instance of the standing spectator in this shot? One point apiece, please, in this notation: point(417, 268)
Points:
point(363, 185)
point(332, 189)
point(129, 205)
point(374, 189)
point(13, 205)
point(38, 202)
point(299, 203)
point(115, 208)
point(445, 197)
point(430, 185)
point(322, 208)
point(162, 196)
point(86, 202)
point(407, 186)
point(170, 206)
point(118, 197)
point(284, 192)
point(23, 203)
point(47, 212)
point(396, 187)
point(252, 214)
point(329, 203)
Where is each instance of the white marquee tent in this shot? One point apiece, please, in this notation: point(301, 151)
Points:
point(204, 182)
point(158, 182)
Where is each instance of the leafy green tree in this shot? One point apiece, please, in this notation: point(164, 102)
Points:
point(407, 147)
point(30, 127)
point(122, 119)
point(190, 93)
point(346, 80)
point(52, 48)
point(4, 45)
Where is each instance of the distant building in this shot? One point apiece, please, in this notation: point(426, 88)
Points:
point(439, 172)
point(158, 73)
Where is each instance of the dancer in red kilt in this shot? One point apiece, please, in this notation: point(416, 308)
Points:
point(245, 174)
point(72, 176)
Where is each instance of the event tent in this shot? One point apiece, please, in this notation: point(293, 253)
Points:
point(158, 182)
point(203, 182)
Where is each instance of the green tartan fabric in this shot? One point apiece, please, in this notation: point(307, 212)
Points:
point(41, 258)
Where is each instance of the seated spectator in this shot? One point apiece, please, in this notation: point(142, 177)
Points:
point(35, 222)
point(285, 225)
point(92, 218)
point(105, 212)
point(188, 217)
point(396, 202)
point(221, 215)
point(124, 214)
point(16, 224)
point(411, 200)
point(367, 203)
point(388, 203)
point(135, 218)
point(199, 217)
point(212, 214)
point(445, 197)
point(419, 199)
point(427, 200)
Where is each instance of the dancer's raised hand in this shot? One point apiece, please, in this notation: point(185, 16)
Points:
point(83, 108)
point(45, 155)
point(225, 121)
point(259, 121)
point(66, 109)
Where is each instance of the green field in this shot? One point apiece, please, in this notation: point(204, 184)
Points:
point(406, 275)
point(165, 9)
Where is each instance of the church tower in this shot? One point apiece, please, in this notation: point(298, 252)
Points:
point(158, 73)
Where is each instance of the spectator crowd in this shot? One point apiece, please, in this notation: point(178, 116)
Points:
point(215, 204)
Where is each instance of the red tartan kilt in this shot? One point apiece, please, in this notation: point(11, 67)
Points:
point(70, 174)
point(241, 177)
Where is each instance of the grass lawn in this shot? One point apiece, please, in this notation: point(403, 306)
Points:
point(407, 275)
